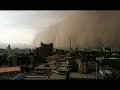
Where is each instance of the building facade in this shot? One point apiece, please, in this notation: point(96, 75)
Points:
point(46, 50)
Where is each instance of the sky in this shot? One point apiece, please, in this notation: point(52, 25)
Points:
point(88, 29)
point(20, 27)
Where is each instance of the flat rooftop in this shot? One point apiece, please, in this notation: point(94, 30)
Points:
point(30, 77)
point(55, 76)
point(44, 67)
point(62, 68)
point(77, 75)
point(51, 62)
point(7, 77)
point(9, 69)
point(36, 76)
point(27, 78)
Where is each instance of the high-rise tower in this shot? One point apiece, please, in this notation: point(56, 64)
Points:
point(9, 49)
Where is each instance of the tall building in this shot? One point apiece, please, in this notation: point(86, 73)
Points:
point(9, 49)
point(43, 51)
point(46, 50)
point(84, 66)
point(37, 54)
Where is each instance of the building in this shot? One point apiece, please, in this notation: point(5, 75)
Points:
point(84, 66)
point(81, 76)
point(107, 49)
point(100, 59)
point(9, 70)
point(46, 50)
point(9, 49)
point(27, 51)
point(19, 76)
point(37, 51)
point(32, 59)
point(23, 60)
point(56, 76)
point(3, 51)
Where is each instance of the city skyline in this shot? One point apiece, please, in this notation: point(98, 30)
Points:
point(59, 45)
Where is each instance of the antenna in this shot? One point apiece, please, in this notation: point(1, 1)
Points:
point(58, 45)
point(70, 44)
point(70, 41)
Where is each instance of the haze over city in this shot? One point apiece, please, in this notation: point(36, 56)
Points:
point(59, 45)
point(88, 29)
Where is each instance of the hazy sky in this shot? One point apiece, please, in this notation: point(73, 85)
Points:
point(21, 26)
point(88, 28)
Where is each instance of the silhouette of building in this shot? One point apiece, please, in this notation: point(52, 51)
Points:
point(43, 51)
point(46, 50)
point(9, 49)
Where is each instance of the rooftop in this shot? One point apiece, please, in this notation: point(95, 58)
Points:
point(36, 76)
point(77, 75)
point(19, 76)
point(9, 69)
point(45, 67)
point(56, 76)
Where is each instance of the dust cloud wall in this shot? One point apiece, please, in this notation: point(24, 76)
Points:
point(88, 29)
